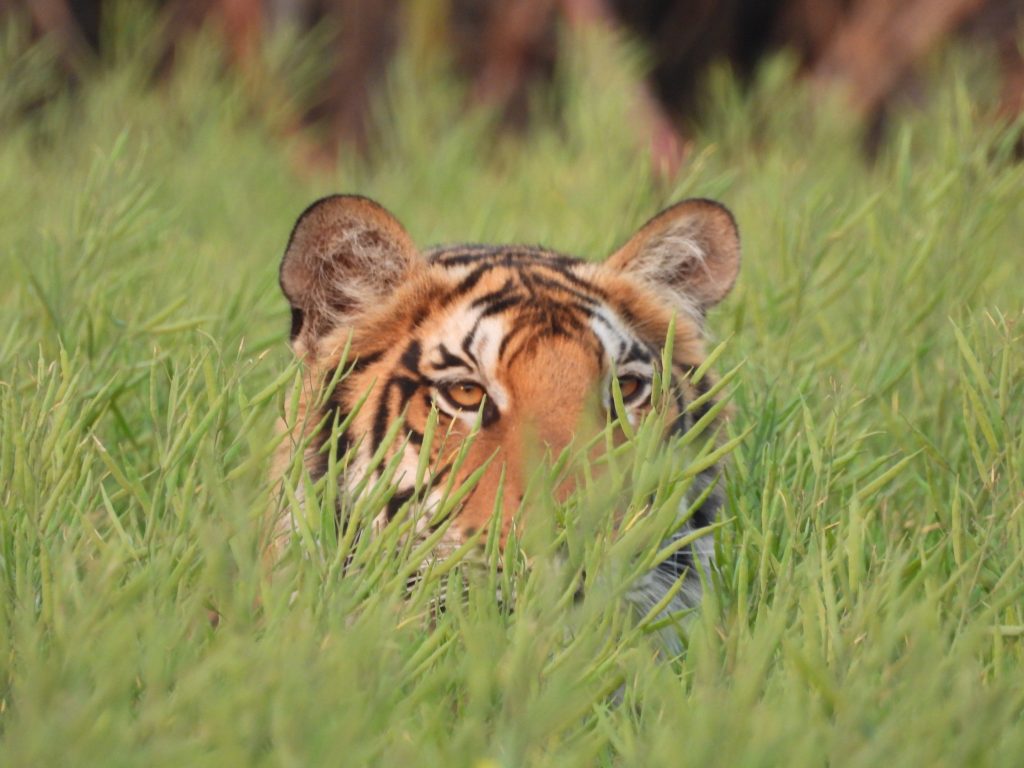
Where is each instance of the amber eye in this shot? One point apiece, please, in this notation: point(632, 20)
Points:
point(464, 394)
point(630, 387)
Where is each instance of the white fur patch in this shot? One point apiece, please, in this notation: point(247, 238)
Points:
point(617, 341)
point(660, 261)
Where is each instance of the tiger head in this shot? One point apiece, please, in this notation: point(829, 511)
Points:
point(515, 344)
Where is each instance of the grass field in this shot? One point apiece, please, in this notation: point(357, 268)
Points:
point(869, 608)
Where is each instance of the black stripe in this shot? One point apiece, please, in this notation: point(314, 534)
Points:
point(439, 254)
point(406, 388)
point(576, 280)
point(491, 414)
point(706, 513)
point(449, 360)
point(506, 256)
point(628, 316)
point(500, 306)
point(479, 301)
point(331, 414)
point(678, 563)
point(363, 361)
point(604, 321)
point(681, 424)
point(411, 356)
point(296, 323)
point(467, 284)
point(636, 353)
point(467, 342)
point(395, 502)
point(334, 412)
point(702, 389)
point(516, 331)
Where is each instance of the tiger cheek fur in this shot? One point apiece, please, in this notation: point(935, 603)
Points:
point(525, 339)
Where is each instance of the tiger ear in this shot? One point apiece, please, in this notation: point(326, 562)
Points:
point(691, 252)
point(346, 253)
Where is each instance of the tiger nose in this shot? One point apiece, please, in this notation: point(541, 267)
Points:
point(527, 447)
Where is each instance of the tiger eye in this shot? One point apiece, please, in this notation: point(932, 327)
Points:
point(465, 394)
point(629, 386)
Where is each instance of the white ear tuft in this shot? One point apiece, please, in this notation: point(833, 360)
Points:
point(346, 254)
point(691, 252)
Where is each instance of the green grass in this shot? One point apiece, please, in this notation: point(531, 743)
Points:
point(870, 603)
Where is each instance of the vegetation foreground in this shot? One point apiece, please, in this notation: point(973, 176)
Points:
point(869, 604)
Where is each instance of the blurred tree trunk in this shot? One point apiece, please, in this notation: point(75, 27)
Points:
point(365, 37)
point(54, 18)
point(875, 47)
point(243, 27)
point(515, 47)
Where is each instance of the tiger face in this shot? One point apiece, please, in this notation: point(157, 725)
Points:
point(516, 345)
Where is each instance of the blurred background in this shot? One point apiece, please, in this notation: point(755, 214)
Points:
point(869, 53)
point(154, 157)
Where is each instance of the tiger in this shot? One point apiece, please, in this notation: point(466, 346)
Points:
point(513, 345)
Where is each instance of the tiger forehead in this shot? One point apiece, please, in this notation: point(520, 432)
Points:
point(541, 274)
point(509, 255)
point(526, 298)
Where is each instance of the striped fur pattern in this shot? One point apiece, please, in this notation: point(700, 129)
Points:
point(524, 339)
